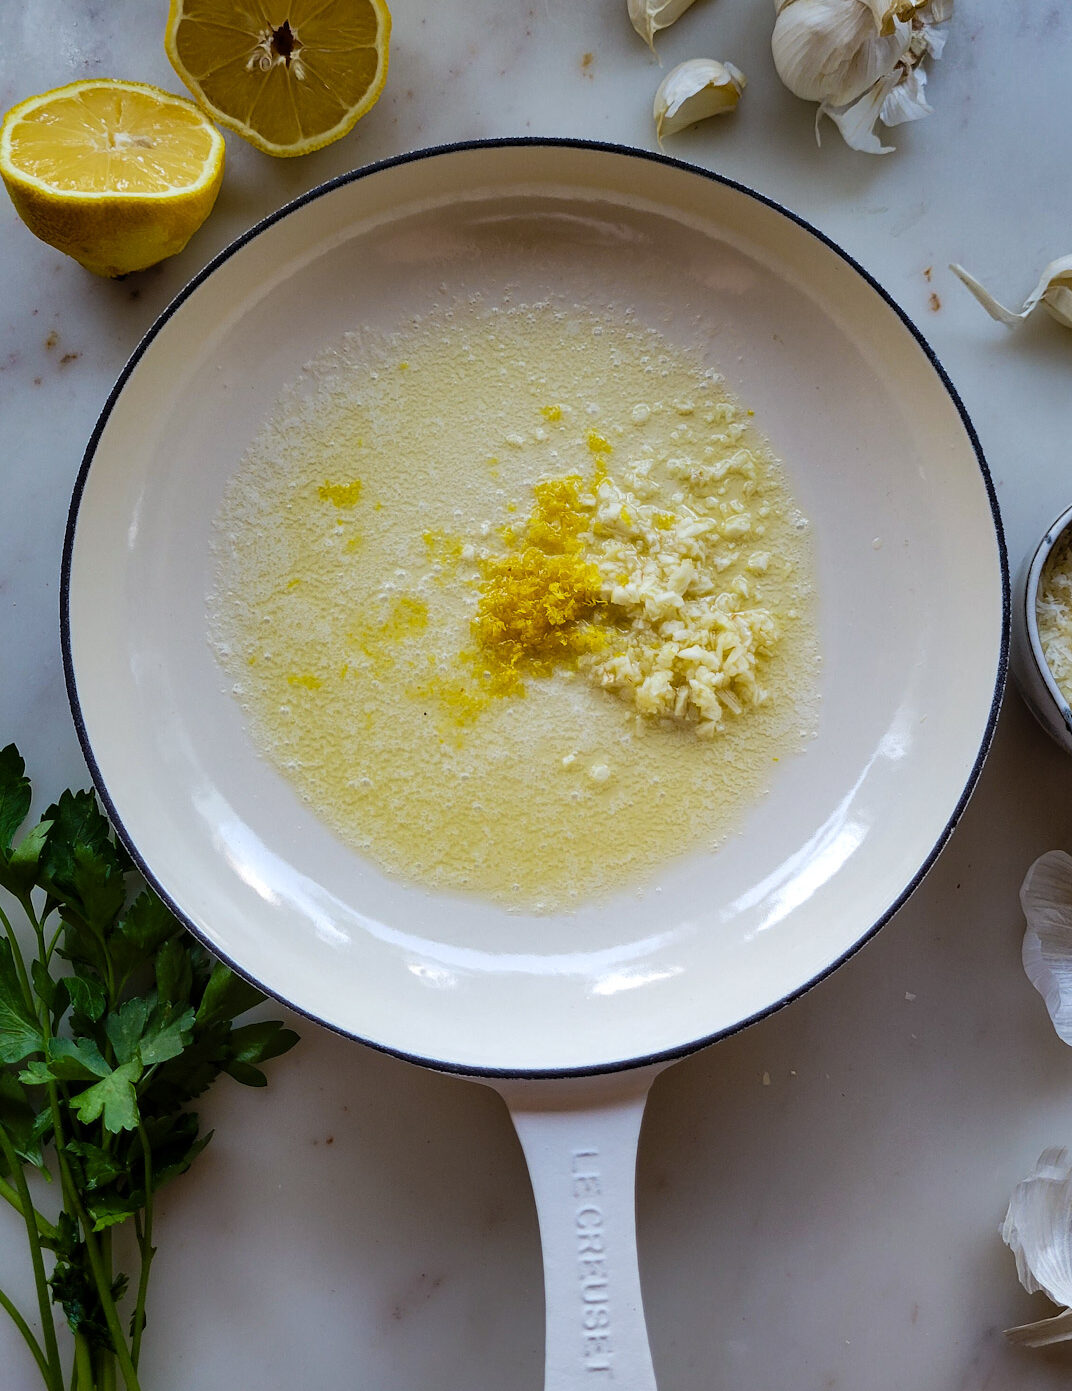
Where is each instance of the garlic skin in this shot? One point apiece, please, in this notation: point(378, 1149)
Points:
point(649, 16)
point(860, 59)
point(1053, 292)
point(1038, 1224)
point(693, 91)
point(1038, 1231)
point(1046, 898)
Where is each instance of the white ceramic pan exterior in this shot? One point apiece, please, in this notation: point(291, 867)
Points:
point(913, 630)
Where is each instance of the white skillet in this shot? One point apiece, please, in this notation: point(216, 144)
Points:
point(569, 1016)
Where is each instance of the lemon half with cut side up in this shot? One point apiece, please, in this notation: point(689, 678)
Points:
point(288, 75)
point(118, 175)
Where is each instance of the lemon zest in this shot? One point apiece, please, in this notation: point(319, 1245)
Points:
point(536, 601)
point(340, 494)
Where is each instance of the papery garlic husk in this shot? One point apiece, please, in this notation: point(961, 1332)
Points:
point(1046, 898)
point(1053, 292)
point(1038, 1231)
point(694, 90)
point(859, 59)
point(649, 16)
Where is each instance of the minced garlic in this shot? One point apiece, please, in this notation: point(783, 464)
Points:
point(1053, 610)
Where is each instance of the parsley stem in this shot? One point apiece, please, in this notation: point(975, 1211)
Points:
point(44, 1304)
point(31, 1342)
point(107, 1358)
point(101, 1277)
point(72, 1201)
point(20, 964)
point(36, 923)
point(53, 940)
point(106, 1371)
point(82, 1380)
point(145, 1246)
point(45, 1229)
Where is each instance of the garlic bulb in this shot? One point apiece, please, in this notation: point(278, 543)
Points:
point(1053, 292)
point(694, 90)
point(1038, 1230)
point(860, 59)
point(649, 16)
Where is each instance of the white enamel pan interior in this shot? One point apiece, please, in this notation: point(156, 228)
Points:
point(913, 606)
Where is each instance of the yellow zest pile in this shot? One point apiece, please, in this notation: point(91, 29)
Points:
point(535, 600)
point(341, 494)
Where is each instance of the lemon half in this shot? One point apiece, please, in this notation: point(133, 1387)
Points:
point(116, 174)
point(287, 75)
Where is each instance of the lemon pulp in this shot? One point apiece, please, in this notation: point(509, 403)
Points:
point(288, 75)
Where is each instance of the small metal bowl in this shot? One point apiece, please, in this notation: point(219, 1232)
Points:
point(1029, 667)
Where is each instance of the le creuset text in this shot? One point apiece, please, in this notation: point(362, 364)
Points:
point(591, 1263)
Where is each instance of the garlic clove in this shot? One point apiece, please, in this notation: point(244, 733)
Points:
point(1057, 301)
point(1038, 1228)
point(1053, 292)
point(1046, 898)
point(649, 16)
point(693, 91)
point(1038, 1225)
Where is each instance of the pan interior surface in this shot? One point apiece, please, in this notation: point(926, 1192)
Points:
point(911, 613)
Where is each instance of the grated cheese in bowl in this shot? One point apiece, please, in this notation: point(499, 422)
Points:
point(1053, 611)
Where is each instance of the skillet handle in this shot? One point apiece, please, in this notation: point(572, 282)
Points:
point(580, 1141)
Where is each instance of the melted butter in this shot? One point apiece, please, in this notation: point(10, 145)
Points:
point(342, 606)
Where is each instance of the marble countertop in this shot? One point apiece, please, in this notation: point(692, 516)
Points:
point(818, 1197)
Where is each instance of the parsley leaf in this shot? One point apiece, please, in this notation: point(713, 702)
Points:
point(113, 1097)
point(14, 795)
point(20, 1030)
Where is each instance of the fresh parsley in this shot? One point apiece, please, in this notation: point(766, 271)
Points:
point(111, 1023)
